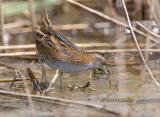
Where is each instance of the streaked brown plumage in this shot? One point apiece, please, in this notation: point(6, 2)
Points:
point(60, 53)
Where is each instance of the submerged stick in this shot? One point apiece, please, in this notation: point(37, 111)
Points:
point(6, 65)
point(11, 80)
point(55, 100)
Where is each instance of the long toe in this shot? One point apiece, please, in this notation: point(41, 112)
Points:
point(107, 73)
point(43, 85)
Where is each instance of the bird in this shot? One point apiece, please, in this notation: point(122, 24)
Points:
point(60, 53)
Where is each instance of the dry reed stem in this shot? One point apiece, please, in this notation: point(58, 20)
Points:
point(18, 47)
point(7, 65)
point(17, 27)
point(61, 101)
point(108, 18)
point(138, 9)
point(154, 8)
point(148, 46)
point(32, 12)
point(139, 50)
point(147, 30)
point(16, 24)
point(97, 13)
point(33, 53)
point(76, 26)
point(2, 20)
point(11, 80)
point(14, 54)
point(81, 45)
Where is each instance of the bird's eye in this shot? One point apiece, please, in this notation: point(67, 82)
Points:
point(48, 41)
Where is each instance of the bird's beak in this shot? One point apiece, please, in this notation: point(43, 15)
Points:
point(106, 72)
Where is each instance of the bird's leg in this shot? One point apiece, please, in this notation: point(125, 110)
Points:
point(86, 86)
point(61, 83)
point(106, 72)
point(52, 81)
point(44, 82)
point(54, 78)
point(91, 75)
point(44, 79)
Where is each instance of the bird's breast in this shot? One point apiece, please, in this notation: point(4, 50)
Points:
point(67, 67)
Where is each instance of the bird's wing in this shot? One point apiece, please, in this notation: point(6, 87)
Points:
point(47, 28)
point(66, 41)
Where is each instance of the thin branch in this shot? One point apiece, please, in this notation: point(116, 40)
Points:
point(108, 18)
point(11, 80)
point(55, 100)
point(16, 24)
point(32, 12)
point(18, 27)
point(14, 54)
point(81, 45)
point(102, 15)
point(154, 8)
point(139, 50)
point(33, 53)
point(18, 47)
point(7, 65)
point(147, 30)
point(2, 20)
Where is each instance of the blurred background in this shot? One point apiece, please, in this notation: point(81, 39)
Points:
point(95, 26)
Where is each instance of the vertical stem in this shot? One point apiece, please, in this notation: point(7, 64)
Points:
point(154, 7)
point(2, 21)
point(61, 83)
point(32, 12)
point(138, 4)
point(148, 46)
point(44, 74)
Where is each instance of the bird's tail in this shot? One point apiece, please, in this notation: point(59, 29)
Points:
point(39, 35)
point(45, 19)
point(46, 23)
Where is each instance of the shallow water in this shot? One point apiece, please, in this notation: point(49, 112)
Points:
point(128, 91)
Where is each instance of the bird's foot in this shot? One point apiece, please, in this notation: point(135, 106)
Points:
point(47, 88)
point(43, 85)
point(108, 73)
point(86, 86)
point(100, 73)
point(82, 87)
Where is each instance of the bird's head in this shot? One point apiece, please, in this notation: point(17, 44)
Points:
point(98, 63)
